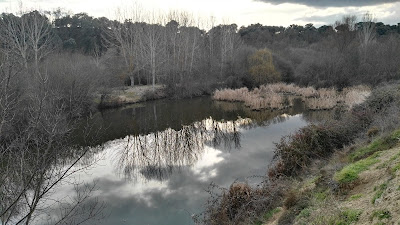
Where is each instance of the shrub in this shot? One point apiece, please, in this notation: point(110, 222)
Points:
point(383, 96)
point(373, 131)
point(241, 203)
point(295, 152)
point(292, 197)
point(262, 69)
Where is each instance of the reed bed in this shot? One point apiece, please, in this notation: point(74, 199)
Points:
point(272, 101)
point(274, 96)
point(355, 95)
point(237, 95)
point(321, 103)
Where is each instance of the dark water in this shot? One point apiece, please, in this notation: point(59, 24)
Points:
point(160, 157)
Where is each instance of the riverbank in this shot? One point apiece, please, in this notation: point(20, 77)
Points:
point(116, 97)
point(342, 171)
point(342, 190)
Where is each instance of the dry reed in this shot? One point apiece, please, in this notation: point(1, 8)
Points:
point(272, 96)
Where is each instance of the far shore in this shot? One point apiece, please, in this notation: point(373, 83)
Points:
point(119, 96)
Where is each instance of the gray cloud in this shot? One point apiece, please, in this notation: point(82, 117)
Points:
point(330, 19)
point(330, 3)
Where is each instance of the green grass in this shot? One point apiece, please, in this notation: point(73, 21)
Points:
point(355, 197)
point(321, 196)
point(379, 144)
point(258, 222)
point(380, 214)
point(343, 217)
point(396, 167)
point(362, 152)
point(379, 191)
point(350, 172)
point(305, 213)
point(271, 213)
point(346, 217)
point(267, 216)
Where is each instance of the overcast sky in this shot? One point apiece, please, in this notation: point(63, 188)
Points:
point(241, 12)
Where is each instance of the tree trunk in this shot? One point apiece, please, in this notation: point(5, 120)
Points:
point(132, 78)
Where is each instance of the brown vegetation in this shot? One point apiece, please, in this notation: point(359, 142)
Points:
point(116, 97)
point(241, 203)
point(317, 146)
point(276, 96)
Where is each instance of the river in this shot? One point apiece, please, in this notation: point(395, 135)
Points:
point(152, 163)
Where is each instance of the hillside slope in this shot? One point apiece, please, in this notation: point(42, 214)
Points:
point(364, 191)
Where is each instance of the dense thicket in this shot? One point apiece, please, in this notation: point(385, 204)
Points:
point(172, 50)
point(144, 48)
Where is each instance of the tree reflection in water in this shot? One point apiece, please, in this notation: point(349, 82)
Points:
point(159, 154)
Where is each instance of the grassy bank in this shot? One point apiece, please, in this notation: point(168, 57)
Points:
point(116, 97)
point(338, 172)
point(342, 191)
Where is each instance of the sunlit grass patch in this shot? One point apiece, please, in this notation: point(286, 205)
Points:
point(351, 172)
point(346, 217)
point(305, 213)
point(379, 144)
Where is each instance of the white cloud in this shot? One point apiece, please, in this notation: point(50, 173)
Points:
point(241, 12)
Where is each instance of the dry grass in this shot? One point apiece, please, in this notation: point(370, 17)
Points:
point(321, 103)
point(272, 96)
point(355, 95)
point(237, 95)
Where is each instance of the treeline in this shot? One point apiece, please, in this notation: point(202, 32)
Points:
point(170, 50)
point(174, 49)
point(346, 53)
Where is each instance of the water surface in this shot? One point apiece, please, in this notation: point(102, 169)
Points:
point(159, 158)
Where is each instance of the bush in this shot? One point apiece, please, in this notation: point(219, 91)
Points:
point(295, 152)
point(262, 69)
point(242, 204)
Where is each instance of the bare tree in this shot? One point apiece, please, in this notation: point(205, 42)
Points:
point(126, 35)
point(366, 33)
point(41, 38)
point(35, 121)
point(153, 44)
